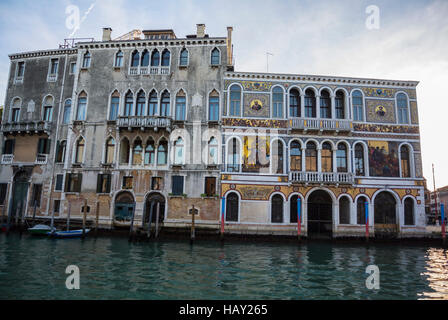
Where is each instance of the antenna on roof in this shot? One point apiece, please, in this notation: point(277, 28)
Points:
point(267, 60)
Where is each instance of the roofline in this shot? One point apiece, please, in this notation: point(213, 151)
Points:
point(40, 53)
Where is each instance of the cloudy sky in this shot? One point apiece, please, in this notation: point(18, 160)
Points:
point(304, 36)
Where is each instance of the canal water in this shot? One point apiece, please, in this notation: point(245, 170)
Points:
point(113, 268)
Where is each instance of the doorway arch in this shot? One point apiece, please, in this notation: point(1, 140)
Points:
point(320, 214)
point(152, 200)
point(20, 193)
point(124, 207)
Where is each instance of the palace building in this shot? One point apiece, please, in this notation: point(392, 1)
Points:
point(151, 126)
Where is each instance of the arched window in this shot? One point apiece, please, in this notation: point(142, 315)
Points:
point(86, 60)
point(137, 153)
point(402, 105)
point(152, 110)
point(405, 165)
point(293, 207)
point(135, 61)
point(341, 158)
point(82, 107)
point(150, 153)
point(15, 110)
point(327, 157)
point(79, 152)
point(119, 59)
point(311, 157)
point(48, 108)
point(166, 55)
point(213, 106)
point(215, 57)
point(213, 152)
point(183, 58)
point(232, 207)
point(340, 104)
point(310, 104)
point(60, 155)
point(277, 161)
point(67, 111)
point(155, 58)
point(359, 160)
point(162, 152)
point(165, 104)
point(145, 58)
point(179, 151)
point(357, 101)
point(325, 105)
point(110, 151)
point(233, 156)
point(277, 102)
point(277, 209)
point(181, 106)
point(344, 210)
point(361, 210)
point(125, 151)
point(129, 104)
point(296, 156)
point(114, 106)
point(235, 101)
point(294, 103)
point(409, 212)
point(141, 103)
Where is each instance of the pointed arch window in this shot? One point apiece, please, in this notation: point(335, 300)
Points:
point(150, 153)
point(141, 104)
point(357, 101)
point(235, 101)
point(152, 107)
point(294, 103)
point(129, 104)
point(310, 104)
point(325, 105)
point(48, 109)
point(86, 60)
point(166, 56)
point(137, 153)
point(60, 154)
point(114, 106)
point(215, 57)
point(341, 158)
point(277, 102)
point(67, 111)
point(79, 152)
point(405, 163)
point(110, 151)
point(402, 105)
point(125, 151)
point(359, 160)
point(311, 157)
point(165, 104)
point(82, 107)
point(277, 153)
point(213, 152)
point(340, 104)
point(213, 106)
point(135, 59)
point(180, 106)
point(155, 58)
point(296, 156)
point(119, 59)
point(233, 156)
point(145, 58)
point(327, 158)
point(162, 152)
point(183, 58)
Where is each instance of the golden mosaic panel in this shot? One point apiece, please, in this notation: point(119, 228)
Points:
point(256, 105)
point(414, 112)
point(385, 128)
point(254, 123)
point(380, 110)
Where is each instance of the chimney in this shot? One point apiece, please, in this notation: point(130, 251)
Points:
point(201, 30)
point(229, 47)
point(107, 33)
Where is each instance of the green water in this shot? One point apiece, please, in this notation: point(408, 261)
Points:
point(113, 268)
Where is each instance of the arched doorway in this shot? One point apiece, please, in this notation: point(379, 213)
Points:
point(385, 213)
point(320, 214)
point(232, 207)
point(151, 208)
point(19, 194)
point(277, 209)
point(124, 207)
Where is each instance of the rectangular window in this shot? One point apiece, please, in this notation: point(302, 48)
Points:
point(8, 147)
point(180, 108)
point(114, 105)
point(103, 183)
point(156, 183)
point(127, 183)
point(20, 69)
point(48, 114)
point(73, 68)
point(58, 184)
point(43, 146)
point(36, 195)
point(210, 186)
point(54, 66)
point(3, 191)
point(214, 109)
point(15, 115)
point(82, 106)
point(57, 205)
point(178, 185)
point(73, 182)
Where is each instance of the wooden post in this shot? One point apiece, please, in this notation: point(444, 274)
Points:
point(68, 215)
point(442, 209)
point(8, 223)
point(150, 219)
point(192, 226)
point(97, 218)
point(84, 216)
point(157, 219)
point(52, 220)
point(18, 210)
point(366, 205)
point(22, 222)
point(223, 212)
point(131, 229)
point(299, 217)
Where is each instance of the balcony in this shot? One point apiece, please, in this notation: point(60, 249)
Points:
point(52, 77)
point(321, 177)
point(42, 159)
point(313, 124)
point(135, 71)
point(7, 158)
point(29, 127)
point(143, 122)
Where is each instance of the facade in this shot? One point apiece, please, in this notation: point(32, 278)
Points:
point(434, 201)
point(157, 127)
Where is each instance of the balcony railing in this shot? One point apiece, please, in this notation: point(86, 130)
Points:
point(18, 79)
point(27, 127)
point(41, 159)
point(321, 177)
point(144, 122)
point(321, 124)
point(52, 77)
point(7, 158)
point(134, 71)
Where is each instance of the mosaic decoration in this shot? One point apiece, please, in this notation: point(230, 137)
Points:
point(256, 154)
point(380, 111)
point(385, 128)
point(256, 86)
point(379, 92)
point(383, 159)
point(236, 122)
point(255, 192)
point(414, 112)
point(418, 165)
point(411, 94)
point(256, 105)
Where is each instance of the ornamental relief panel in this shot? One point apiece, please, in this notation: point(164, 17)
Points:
point(256, 105)
point(380, 111)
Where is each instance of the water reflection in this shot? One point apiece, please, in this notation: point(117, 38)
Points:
point(436, 274)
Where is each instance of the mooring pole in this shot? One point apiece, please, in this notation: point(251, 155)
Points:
point(34, 210)
point(366, 205)
point(97, 218)
point(299, 217)
point(192, 226)
point(157, 219)
point(442, 209)
point(22, 222)
point(52, 220)
point(8, 223)
point(151, 209)
point(131, 229)
point(68, 215)
point(223, 211)
point(18, 210)
point(84, 217)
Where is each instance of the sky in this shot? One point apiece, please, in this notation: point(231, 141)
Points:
point(304, 36)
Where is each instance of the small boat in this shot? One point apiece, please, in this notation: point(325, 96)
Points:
point(68, 234)
point(40, 230)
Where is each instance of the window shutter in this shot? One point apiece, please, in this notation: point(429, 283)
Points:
point(47, 146)
point(79, 183)
point(98, 183)
point(40, 146)
point(109, 178)
point(67, 181)
point(178, 185)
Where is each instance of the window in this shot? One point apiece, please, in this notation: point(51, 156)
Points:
point(129, 104)
point(180, 106)
point(210, 186)
point(60, 153)
point(54, 63)
point(119, 59)
point(311, 157)
point(179, 151)
point(166, 55)
point(8, 146)
point(183, 58)
point(232, 207)
point(82, 107)
point(56, 206)
point(359, 160)
point(73, 68)
point(341, 158)
point(296, 156)
point(155, 58)
point(145, 58)
point(135, 60)
point(103, 183)
point(48, 109)
point(165, 104)
point(216, 57)
point(150, 153)
point(162, 152)
point(125, 151)
point(235, 100)
point(327, 158)
point(277, 209)
point(152, 110)
point(344, 211)
point(110, 151)
point(361, 210)
point(73, 182)
point(3, 191)
point(127, 183)
point(15, 110)
point(310, 104)
point(86, 60)
point(79, 152)
point(43, 146)
point(36, 195)
point(402, 104)
point(156, 183)
point(405, 166)
point(58, 184)
point(178, 185)
point(67, 111)
point(357, 106)
point(325, 105)
point(340, 105)
point(233, 157)
point(141, 104)
point(277, 102)
point(213, 106)
point(137, 153)
point(277, 161)
point(294, 103)
point(212, 152)
point(20, 69)
point(114, 106)
point(409, 212)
